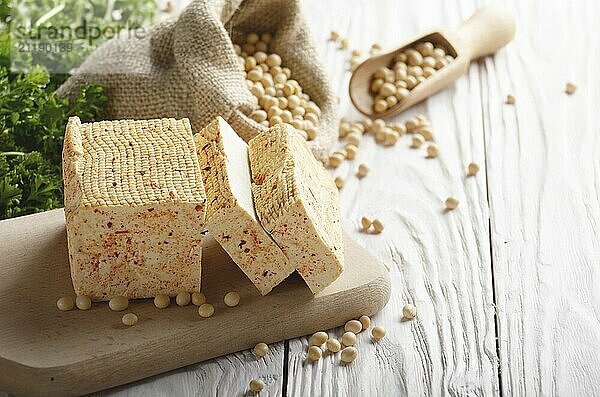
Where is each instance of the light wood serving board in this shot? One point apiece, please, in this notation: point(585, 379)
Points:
point(44, 351)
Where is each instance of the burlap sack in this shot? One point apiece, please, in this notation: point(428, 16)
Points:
point(188, 68)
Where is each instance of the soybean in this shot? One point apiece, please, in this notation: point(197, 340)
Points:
point(349, 339)
point(354, 326)
point(378, 332)
point(363, 170)
point(183, 298)
point(409, 311)
point(333, 345)
point(472, 169)
point(65, 303)
point(83, 302)
point(162, 301)
point(365, 322)
point(315, 353)
point(349, 354)
point(377, 226)
point(390, 85)
point(118, 303)
point(318, 338)
point(198, 298)
point(232, 299)
point(451, 203)
point(206, 310)
point(129, 319)
point(257, 385)
point(261, 349)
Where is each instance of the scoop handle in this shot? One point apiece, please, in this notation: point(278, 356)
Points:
point(488, 30)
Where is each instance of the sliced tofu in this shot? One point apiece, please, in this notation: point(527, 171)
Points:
point(230, 215)
point(297, 203)
point(134, 207)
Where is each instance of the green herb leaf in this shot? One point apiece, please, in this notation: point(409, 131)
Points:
point(32, 118)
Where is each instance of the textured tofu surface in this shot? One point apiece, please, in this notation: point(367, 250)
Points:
point(298, 204)
point(134, 207)
point(230, 213)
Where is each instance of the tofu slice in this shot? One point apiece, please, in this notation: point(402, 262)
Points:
point(134, 207)
point(230, 215)
point(297, 202)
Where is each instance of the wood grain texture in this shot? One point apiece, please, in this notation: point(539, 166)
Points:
point(46, 351)
point(228, 375)
point(543, 166)
point(543, 174)
point(440, 261)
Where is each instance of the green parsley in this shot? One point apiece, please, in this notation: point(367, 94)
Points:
point(32, 118)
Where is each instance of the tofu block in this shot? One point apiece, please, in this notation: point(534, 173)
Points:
point(297, 202)
point(230, 215)
point(134, 207)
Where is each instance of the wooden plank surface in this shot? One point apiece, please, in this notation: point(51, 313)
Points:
point(541, 161)
point(224, 376)
point(543, 165)
point(440, 262)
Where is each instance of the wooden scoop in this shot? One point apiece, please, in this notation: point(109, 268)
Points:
point(488, 30)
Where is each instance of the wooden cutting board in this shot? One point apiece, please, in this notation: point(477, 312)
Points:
point(44, 351)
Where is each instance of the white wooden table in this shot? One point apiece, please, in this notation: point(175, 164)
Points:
point(508, 285)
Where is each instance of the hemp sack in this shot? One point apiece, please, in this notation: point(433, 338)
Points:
point(187, 67)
